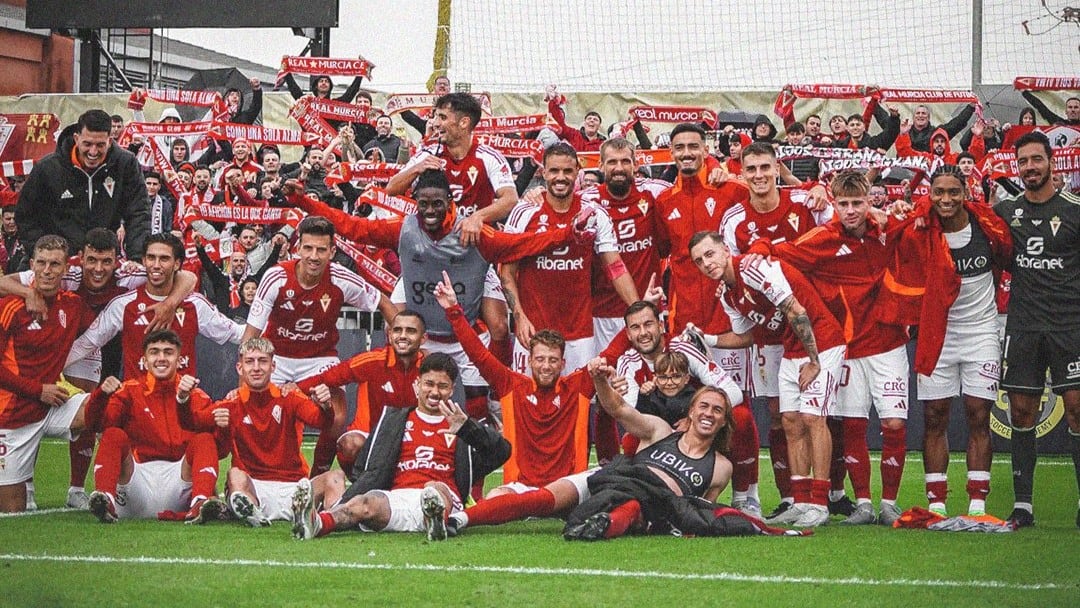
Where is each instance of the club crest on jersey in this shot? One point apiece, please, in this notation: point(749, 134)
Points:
point(110, 185)
point(472, 173)
point(180, 314)
point(1055, 223)
point(793, 221)
point(643, 205)
point(276, 413)
point(449, 438)
point(62, 316)
point(710, 205)
point(290, 293)
point(325, 301)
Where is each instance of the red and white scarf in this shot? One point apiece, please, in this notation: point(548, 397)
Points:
point(513, 147)
point(1046, 83)
point(369, 269)
point(205, 99)
point(339, 110)
point(327, 66)
point(310, 121)
point(673, 114)
point(396, 104)
point(513, 124)
point(377, 197)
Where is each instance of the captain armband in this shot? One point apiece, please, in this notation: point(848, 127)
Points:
point(616, 269)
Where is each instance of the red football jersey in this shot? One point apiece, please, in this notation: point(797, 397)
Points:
point(555, 287)
point(427, 453)
point(634, 223)
point(757, 294)
point(147, 411)
point(474, 179)
point(382, 381)
point(302, 323)
point(267, 429)
point(31, 353)
point(128, 313)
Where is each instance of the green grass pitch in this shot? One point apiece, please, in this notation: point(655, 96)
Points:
point(64, 558)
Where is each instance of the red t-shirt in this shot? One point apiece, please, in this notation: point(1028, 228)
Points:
point(427, 453)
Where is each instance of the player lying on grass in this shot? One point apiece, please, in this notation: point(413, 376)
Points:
point(416, 465)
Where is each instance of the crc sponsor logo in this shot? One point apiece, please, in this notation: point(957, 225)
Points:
point(421, 290)
point(1051, 411)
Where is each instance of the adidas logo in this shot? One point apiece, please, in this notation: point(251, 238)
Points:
point(851, 460)
point(141, 320)
point(211, 470)
point(66, 194)
point(674, 215)
point(844, 250)
point(288, 306)
point(891, 462)
point(34, 325)
point(388, 387)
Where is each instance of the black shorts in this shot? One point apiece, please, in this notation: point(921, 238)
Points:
point(1028, 354)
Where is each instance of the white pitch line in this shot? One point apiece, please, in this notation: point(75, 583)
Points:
point(533, 571)
point(39, 512)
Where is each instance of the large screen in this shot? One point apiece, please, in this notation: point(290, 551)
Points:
point(101, 14)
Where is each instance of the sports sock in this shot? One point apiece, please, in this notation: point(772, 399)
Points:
point(1023, 464)
point(800, 489)
point(323, 457)
point(503, 350)
point(779, 457)
point(622, 517)
point(978, 485)
point(81, 452)
point(327, 521)
point(819, 492)
point(511, 507)
point(114, 447)
point(837, 468)
point(201, 454)
point(744, 448)
point(893, 451)
point(857, 456)
point(1074, 447)
point(605, 436)
point(937, 487)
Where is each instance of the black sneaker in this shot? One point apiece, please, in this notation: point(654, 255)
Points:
point(844, 507)
point(780, 508)
point(1022, 518)
point(592, 528)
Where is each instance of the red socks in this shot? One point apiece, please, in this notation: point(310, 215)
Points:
point(893, 451)
point(511, 507)
point(80, 452)
point(978, 485)
point(327, 521)
point(744, 449)
point(857, 456)
point(778, 455)
point(819, 492)
point(115, 446)
point(201, 454)
point(800, 489)
point(622, 517)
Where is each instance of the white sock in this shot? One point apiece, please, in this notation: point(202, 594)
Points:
point(835, 495)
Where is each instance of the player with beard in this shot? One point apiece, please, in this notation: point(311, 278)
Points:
point(482, 186)
point(631, 205)
point(1043, 327)
point(384, 378)
point(779, 215)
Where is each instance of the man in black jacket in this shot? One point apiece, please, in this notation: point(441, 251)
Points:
point(414, 469)
point(89, 182)
point(921, 129)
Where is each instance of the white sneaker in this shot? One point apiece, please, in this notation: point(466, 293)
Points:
point(306, 521)
point(789, 516)
point(77, 499)
point(247, 511)
point(814, 516)
point(889, 514)
point(434, 508)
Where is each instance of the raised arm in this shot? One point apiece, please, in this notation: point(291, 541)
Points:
point(649, 429)
point(382, 233)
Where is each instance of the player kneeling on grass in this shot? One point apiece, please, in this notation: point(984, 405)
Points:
point(415, 467)
point(149, 462)
point(261, 422)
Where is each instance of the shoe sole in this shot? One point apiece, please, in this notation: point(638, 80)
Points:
point(302, 508)
point(245, 510)
point(431, 503)
point(99, 506)
point(210, 510)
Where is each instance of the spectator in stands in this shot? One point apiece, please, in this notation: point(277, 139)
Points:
point(879, 196)
point(242, 159)
point(162, 206)
point(814, 136)
point(345, 143)
point(363, 132)
point(117, 127)
point(1024, 124)
point(585, 139)
point(271, 164)
point(323, 87)
point(420, 123)
point(11, 250)
point(389, 144)
point(1072, 110)
point(804, 169)
point(180, 153)
point(992, 136)
point(311, 172)
point(248, 287)
point(88, 166)
point(763, 130)
point(857, 136)
point(837, 127)
point(234, 100)
point(921, 129)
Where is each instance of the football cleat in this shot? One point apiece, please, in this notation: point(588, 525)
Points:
point(434, 509)
point(592, 528)
point(205, 510)
point(77, 499)
point(103, 507)
point(306, 521)
point(889, 514)
point(812, 517)
point(780, 508)
point(1022, 518)
point(247, 511)
point(844, 507)
point(862, 516)
point(788, 516)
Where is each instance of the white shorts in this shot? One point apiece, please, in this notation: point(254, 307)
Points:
point(87, 368)
point(880, 380)
point(19, 447)
point(406, 513)
point(155, 486)
point(492, 288)
point(580, 481)
point(604, 330)
point(470, 376)
point(736, 362)
point(275, 497)
point(577, 353)
point(288, 369)
point(767, 380)
point(819, 399)
point(968, 365)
